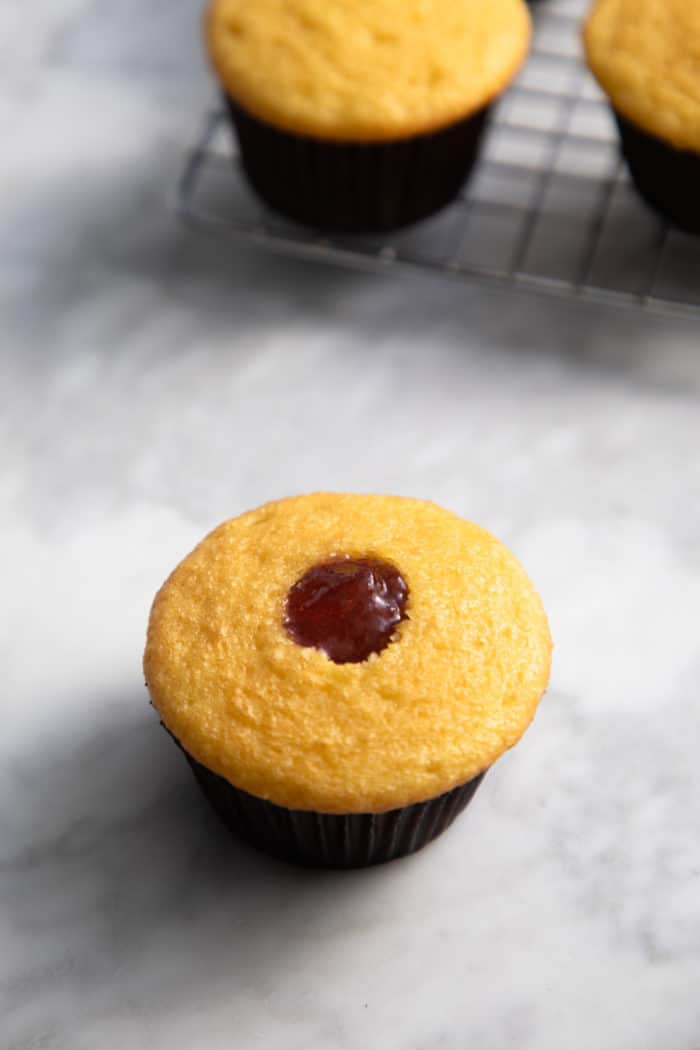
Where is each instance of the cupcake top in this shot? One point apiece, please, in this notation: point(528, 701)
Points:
point(345, 653)
point(366, 70)
point(646, 56)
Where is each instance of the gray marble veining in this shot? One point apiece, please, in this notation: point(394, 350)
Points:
point(152, 383)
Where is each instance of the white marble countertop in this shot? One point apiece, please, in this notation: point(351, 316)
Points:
point(153, 384)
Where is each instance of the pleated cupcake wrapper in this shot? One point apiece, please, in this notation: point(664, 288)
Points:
point(351, 840)
point(667, 178)
point(356, 187)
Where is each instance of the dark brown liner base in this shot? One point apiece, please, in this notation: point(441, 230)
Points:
point(354, 186)
point(667, 178)
point(329, 840)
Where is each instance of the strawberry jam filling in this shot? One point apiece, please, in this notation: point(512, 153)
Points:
point(347, 607)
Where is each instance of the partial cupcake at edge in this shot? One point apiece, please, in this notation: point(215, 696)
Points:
point(341, 671)
point(645, 55)
point(362, 116)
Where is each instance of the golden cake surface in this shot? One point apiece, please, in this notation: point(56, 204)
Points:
point(365, 70)
point(646, 56)
point(458, 684)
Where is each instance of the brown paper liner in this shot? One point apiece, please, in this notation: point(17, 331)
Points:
point(356, 186)
point(667, 178)
point(329, 840)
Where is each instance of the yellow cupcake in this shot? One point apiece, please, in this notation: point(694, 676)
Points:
point(366, 70)
point(362, 115)
point(646, 56)
point(456, 686)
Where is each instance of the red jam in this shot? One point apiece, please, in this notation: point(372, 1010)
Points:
point(348, 608)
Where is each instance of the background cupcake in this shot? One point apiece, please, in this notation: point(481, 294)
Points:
point(341, 671)
point(646, 56)
point(362, 115)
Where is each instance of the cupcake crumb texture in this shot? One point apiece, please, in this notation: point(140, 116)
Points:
point(457, 686)
point(646, 56)
point(366, 72)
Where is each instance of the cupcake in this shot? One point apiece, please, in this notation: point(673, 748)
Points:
point(362, 115)
point(340, 671)
point(645, 55)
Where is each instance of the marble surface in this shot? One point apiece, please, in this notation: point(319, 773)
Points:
point(152, 383)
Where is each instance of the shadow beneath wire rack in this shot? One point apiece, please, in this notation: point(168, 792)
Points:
point(124, 239)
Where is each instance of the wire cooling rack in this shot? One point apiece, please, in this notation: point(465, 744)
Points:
point(549, 208)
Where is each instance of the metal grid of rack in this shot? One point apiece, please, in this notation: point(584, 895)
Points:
point(549, 208)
